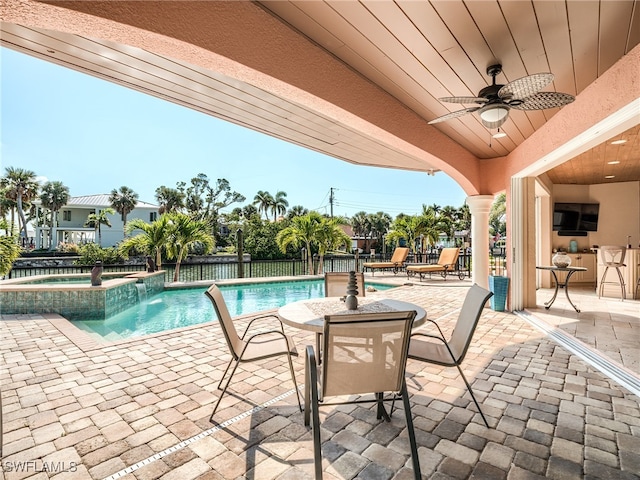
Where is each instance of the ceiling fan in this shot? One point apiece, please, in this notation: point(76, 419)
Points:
point(496, 100)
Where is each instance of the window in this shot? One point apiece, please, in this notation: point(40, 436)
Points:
point(153, 216)
point(66, 215)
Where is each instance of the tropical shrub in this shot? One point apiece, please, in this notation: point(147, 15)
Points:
point(90, 252)
point(68, 248)
point(9, 252)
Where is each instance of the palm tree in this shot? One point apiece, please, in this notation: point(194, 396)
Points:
point(361, 225)
point(264, 201)
point(153, 239)
point(185, 232)
point(96, 220)
point(409, 228)
point(301, 232)
point(7, 205)
point(497, 215)
point(169, 199)
point(54, 196)
point(380, 223)
point(22, 187)
point(329, 237)
point(279, 205)
point(297, 211)
point(123, 201)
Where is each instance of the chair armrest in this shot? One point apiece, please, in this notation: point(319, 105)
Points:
point(429, 336)
point(268, 332)
point(261, 317)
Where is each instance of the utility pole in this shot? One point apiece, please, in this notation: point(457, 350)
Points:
point(331, 200)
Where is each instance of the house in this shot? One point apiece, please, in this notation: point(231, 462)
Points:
point(73, 217)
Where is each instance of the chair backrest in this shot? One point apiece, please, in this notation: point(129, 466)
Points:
point(467, 321)
point(400, 255)
point(365, 353)
point(234, 342)
point(613, 255)
point(335, 284)
point(449, 256)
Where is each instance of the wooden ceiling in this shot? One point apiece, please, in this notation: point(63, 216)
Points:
point(416, 51)
point(607, 163)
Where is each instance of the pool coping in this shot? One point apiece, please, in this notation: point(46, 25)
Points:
point(87, 342)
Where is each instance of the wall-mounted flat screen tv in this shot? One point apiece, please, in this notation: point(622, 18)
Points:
point(576, 217)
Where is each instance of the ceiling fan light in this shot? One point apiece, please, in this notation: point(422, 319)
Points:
point(494, 113)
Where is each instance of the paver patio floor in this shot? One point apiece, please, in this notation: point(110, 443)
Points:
point(144, 405)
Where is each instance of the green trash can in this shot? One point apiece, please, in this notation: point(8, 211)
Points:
point(499, 286)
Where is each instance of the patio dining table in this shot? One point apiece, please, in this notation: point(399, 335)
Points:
point(309, 314)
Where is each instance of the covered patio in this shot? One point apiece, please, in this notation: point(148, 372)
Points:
point(139, 408)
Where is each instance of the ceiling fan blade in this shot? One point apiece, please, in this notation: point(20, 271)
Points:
point(463, 99)
point(455, 114)
point(543, 100)
point(525, 87)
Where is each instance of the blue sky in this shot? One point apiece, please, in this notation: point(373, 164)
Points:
point(95, 136)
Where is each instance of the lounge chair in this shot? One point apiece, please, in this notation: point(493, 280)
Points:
point(396, 263)
point(447, 264)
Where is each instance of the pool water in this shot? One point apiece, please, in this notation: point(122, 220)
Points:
point(185, 307)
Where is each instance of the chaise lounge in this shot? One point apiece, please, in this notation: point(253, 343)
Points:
point(447, 264)
point(396, 263)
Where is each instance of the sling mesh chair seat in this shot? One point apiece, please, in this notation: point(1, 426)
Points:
point(335, 284)
point(250, 347)
point(437, 350)
point(446, 265)
point(397, 261)
point(363, 354)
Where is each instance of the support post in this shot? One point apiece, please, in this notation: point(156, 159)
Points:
point(240, 249)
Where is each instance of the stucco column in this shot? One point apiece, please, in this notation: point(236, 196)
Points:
point(480, 205)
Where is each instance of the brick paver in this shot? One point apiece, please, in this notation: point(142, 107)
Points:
point(96, 409)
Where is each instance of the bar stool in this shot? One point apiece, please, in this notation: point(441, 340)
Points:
point(613, 257)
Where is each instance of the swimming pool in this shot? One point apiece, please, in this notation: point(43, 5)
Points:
point(185, 307)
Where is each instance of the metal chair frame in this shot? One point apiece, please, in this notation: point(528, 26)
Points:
point(462, 335)
point(238, 345)
point(314, 398)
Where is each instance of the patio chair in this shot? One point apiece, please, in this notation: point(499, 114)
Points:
point(335, 284)
point(363, 354)
point(451, 353)
point(257, 346)
point(397, 261)
point(446, 265)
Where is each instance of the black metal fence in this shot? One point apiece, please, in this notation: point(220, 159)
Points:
point(190, 272)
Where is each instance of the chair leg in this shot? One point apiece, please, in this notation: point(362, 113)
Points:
point(224, 390)
point(622, 285)
point(604, 275)
point(412, 434)
point(293, 378)
point(225, 373)
point(311, 390)
point(473, 396)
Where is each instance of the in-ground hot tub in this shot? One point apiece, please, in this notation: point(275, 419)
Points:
point(73, 296)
